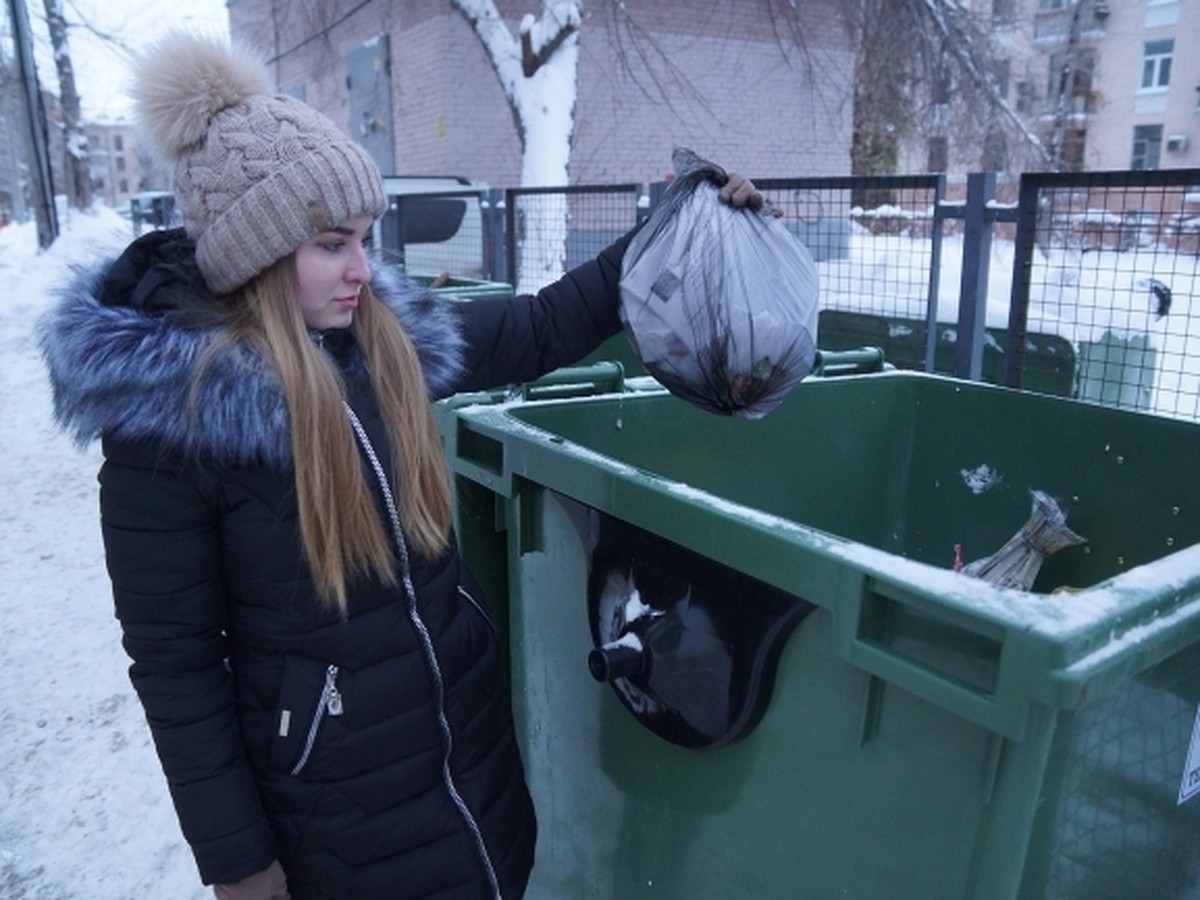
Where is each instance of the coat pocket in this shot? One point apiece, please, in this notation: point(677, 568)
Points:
point(309, 696)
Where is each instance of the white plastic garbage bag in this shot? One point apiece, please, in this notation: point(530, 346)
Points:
point(719, 303)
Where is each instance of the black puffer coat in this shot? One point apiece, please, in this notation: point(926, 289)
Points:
point(374, 756)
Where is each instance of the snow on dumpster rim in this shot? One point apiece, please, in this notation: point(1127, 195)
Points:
point(1131, 598)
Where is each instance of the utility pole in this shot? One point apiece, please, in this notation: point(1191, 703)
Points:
point(35, 120)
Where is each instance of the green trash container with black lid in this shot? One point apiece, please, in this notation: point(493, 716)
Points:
point(742, 663)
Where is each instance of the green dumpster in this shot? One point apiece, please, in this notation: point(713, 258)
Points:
point(817, 704)
point(460, 288)
point(1118, 370)
point(1048, 366)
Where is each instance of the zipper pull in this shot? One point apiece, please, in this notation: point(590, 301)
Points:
point(334, 704)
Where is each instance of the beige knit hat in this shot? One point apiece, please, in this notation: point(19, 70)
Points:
point(256, 173)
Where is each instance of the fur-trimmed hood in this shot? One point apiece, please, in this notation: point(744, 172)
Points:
point(120, 353)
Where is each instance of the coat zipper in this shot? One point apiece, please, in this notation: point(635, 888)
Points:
point(330, 702)
point(430, 653)
point(487, 617)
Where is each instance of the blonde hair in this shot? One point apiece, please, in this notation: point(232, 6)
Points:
point(341, 529)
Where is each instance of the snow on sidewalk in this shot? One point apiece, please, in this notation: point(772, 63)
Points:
point(84, 809)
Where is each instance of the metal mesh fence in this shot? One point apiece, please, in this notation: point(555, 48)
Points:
point(1100, 275)
point(871, 238)
point(876, 242)
point(1098, 283)
point(436, 236)
point(1090, 296)
point(1112, 260)
point(1113, 828)
point(551, 230)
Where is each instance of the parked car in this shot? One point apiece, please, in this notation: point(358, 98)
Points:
point(155, 209)
point(433, 226)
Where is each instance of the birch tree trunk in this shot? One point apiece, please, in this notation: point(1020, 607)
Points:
point(537, 69)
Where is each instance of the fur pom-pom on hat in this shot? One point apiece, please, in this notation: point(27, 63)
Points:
point(187, 79)
point(256, 173)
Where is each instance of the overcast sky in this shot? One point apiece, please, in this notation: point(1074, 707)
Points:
point(101, 65)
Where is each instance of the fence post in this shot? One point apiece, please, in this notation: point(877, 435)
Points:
point(935, 271)
point(510, 236)
point(657, 190)
point(495, 256)
point(972, 300)
point(1018, 305)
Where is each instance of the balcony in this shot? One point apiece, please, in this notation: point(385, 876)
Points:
point(1077, 105)
point(1052, 25)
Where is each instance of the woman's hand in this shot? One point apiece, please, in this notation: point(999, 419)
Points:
point(740, 191)
point(269, 884)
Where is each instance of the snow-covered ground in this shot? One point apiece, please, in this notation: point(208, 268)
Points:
point(84, 811)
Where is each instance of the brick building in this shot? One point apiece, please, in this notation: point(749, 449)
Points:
point(733, 81)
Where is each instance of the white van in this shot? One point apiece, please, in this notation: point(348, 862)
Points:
point(434, 225)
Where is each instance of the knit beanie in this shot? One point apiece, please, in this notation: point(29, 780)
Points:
point(256, 173)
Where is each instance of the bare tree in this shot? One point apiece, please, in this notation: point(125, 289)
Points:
point(77, 164)
point(926, 70)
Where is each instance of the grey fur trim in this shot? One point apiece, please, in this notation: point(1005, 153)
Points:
point(117, 372)
point(432, 323)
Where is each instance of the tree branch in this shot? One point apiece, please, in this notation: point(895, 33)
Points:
point(531, 61)
point(959, 46)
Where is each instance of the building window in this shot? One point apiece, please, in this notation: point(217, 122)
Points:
point(1003, 11)
point(1002, 71)
point(123, 186)
point(118, 143)
point(1071, 76)
point(1073, 145)
point(1147, 146)
point(939, 154)
point(120, 164)
point(943, 86)
point(1156, 64)
point(1161, 14)
point(1024, 97)
point(995, 151)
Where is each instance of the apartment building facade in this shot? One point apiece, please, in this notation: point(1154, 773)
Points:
point(1146, 91)
point(116, 164)
point(1121, 82)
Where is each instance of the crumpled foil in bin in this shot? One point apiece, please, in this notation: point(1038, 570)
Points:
point(1018, 562)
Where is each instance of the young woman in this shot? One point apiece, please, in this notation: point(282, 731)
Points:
point(317, 668)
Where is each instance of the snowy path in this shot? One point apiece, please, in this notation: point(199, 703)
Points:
point(84, 810)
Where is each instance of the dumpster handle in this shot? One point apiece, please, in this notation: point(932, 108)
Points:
point(899, 636)
point(862, 361)
point(577, 381)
